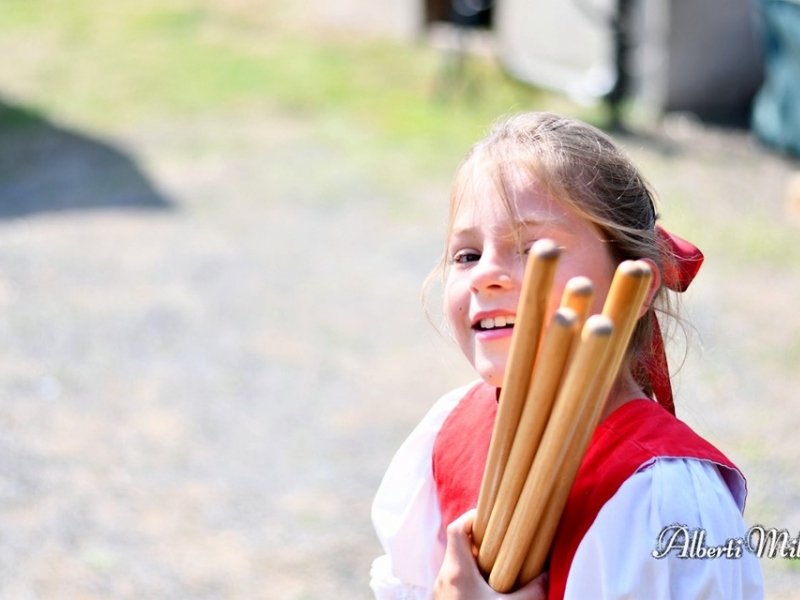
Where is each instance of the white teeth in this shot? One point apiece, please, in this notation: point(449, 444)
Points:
point(492, 323)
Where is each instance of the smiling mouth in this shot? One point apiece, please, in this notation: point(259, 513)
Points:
point(495, 323)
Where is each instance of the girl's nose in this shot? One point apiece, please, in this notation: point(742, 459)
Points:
point(493, 272)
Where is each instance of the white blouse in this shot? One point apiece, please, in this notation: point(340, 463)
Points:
point(612, 561)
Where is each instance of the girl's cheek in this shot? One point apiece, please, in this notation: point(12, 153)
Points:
point(456, 307)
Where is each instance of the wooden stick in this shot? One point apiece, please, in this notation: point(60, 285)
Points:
point(578, 294)
point(533, 301)
point(623, 304)
point(552, 452)
point(547, 374)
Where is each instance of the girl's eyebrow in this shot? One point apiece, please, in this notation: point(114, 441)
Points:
point(462, 230)
point(517, 225)
point(465, 233)
point(553, 220)
point(525, 222)
point(532, 222)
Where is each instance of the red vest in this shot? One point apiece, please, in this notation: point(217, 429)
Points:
point(630, 438)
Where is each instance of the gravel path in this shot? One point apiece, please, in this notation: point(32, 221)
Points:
point(211, 345)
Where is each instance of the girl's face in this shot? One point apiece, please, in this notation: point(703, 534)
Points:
point(486, 256)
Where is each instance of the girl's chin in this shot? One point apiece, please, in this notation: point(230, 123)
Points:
point(491, 374)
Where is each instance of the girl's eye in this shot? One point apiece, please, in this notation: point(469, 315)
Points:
point(465, 256)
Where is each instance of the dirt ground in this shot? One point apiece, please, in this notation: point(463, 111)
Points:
point(211, 344)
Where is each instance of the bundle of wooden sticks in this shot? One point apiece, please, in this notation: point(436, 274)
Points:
point(556, 382)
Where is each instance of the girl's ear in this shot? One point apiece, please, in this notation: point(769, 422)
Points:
point(655, 285)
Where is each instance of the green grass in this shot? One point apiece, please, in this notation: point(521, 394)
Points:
point(114, 66)
point(105, 65)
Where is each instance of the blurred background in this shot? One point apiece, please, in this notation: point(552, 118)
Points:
point(215, 220)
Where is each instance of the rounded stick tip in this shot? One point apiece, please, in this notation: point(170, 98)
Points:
point(564, 317)
point(645, 267)
point(634, 268)
point(545, 249)
point(579, 286)
point(597, 325)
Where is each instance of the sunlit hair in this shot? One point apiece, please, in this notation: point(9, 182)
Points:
point(582, 167)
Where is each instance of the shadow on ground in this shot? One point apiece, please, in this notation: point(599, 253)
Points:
point(47, 168)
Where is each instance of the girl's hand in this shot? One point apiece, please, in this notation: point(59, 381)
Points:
point(459, 577)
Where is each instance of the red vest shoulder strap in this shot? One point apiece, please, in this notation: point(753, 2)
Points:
point(632, 437)
point(460, 449)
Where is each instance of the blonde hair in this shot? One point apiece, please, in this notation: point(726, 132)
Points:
point(582, 167)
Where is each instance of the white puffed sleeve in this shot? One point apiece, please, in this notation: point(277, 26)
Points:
point(615, 558)
point(406, 513)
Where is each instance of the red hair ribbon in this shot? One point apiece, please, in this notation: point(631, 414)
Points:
point(681, 261)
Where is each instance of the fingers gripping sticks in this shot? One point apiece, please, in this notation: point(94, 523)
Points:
point(550, 415)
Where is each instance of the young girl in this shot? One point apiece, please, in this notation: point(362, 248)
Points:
point(646, 479)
